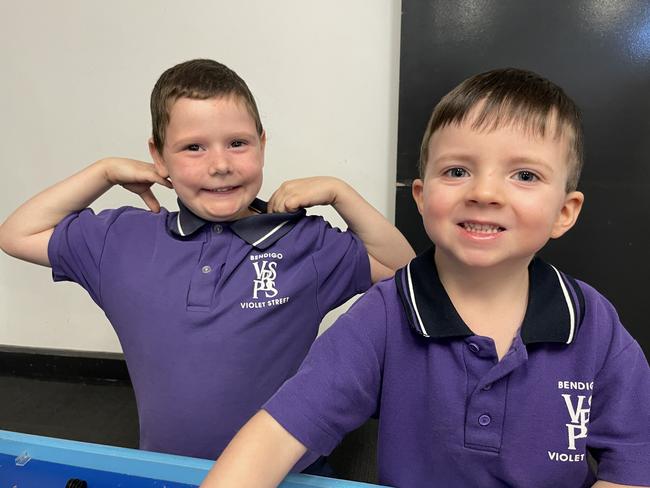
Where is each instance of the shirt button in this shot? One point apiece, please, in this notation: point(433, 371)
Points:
point(473, 347)
point(206, 269)
point(484, 420)
point(487, 387)
point(217, 228)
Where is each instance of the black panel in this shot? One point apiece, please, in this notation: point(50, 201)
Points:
point(599, 52)
point(62, 365)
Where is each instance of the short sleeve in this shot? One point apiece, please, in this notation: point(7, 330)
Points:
point(337, 387)
point(342, 267)
point(75, 248)
point(619, 426)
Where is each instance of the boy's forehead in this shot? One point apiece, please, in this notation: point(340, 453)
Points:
point(513, 134)
point(520, 125)
point(190, 110)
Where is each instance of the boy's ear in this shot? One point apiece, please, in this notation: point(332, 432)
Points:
point(263, 144)
point(568, 214)
point(158, 160)
point(417, 190)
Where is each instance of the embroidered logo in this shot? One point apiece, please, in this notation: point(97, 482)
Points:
point(264, 282)
point(579, 414)
point(266, 275)
point(578, 407)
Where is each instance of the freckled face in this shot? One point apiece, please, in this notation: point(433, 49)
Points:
point(213, 156)
point(495, 197)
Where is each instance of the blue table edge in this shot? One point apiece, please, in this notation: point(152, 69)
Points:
point(134, 462)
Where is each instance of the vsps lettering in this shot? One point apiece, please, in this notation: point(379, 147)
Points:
point(266, 274)
point(578, 407)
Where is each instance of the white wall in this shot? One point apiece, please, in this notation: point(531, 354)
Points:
point(75, 85)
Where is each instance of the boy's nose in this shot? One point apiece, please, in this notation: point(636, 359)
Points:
point(486, 190)
point(219, 165)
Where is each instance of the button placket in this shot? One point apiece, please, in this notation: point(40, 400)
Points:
point(207, 273)
point(486, 395)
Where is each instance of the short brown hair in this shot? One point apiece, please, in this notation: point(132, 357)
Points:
point(511, 96)
point(198, 79)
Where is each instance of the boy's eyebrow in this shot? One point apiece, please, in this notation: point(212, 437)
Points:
point(462, 157)
point(194, 138)
point(453, 156)
point(532, 161)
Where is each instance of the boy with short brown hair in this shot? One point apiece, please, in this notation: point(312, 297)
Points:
point(215, 305)
point(488, 367)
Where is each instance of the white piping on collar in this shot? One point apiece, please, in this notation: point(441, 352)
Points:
point(178, 225)
point(268, 234)
point(415, 305)
point(569, 303)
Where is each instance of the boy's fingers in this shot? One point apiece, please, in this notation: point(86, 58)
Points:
point(150, 200)
point(165, 182)
point(156, 179)
point(291, 204)
point(274, 204)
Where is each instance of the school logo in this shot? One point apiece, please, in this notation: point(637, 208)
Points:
point(266, 275)
point(265, 289)
point(578, 406)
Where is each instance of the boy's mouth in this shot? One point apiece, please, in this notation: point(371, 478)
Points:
point(223, 189)
point(481, 228)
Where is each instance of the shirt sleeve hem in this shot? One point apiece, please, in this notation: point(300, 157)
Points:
point(308, 433)
point(53, 254)
point(630, 472)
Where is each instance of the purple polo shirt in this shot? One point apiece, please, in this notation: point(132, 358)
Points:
point(451, 414)
point(212, 317)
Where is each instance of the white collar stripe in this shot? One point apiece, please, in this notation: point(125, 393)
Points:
point(572, 318)
point(414, 303)
point(273, 231)
point(178, 224)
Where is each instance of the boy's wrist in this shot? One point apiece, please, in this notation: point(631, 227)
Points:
point(105, 165)
point(341, 192)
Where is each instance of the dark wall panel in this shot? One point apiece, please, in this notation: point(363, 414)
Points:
point(599, 52)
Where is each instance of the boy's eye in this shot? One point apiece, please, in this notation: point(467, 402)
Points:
point(193, 147)
point(238, 143)
point(456, 173)
point(526, 176)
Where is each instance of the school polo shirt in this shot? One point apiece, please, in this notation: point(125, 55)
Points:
point(212, 317)
point(451, 414)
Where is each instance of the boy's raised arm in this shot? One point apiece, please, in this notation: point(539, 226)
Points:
point(388, 249)
point(259, 456)
point(27, 231)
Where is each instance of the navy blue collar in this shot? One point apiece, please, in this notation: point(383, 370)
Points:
point(555, 303)
point(260, 230)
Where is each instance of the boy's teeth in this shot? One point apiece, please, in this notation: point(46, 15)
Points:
point(219, 190)
point(486, 228)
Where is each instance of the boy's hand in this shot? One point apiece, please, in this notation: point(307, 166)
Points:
point(305, 192)
point(26, 232)
point(135, 176)
point(387, 249)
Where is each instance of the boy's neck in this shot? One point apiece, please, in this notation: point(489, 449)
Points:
point(491, 301)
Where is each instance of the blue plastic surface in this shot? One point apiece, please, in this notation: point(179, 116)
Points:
point(53, 461)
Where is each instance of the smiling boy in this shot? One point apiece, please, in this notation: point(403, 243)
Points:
point(215, 305)
point(218, 186)
point(488, 367)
